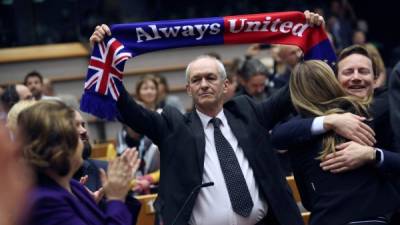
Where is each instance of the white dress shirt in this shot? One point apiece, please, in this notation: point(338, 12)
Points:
point(317, 126)
point(213, 206)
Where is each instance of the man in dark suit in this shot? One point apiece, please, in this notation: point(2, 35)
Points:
point(356, 75)
point(360, 65)
point(191, 154)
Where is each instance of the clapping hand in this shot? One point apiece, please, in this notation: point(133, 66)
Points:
point(116, 182)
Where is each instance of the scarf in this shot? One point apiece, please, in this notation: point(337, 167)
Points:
point(105, 71)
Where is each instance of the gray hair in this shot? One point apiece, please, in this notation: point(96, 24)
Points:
point(253, 67)
point(220, 66)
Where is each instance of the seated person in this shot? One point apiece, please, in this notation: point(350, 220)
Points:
point(11, 95)
point(164, 96)
point(146, 184)
point(12, 115)
point(147, 93)
point(254, 78)
point(88, 173)
point(51, 145)
point(127, 138)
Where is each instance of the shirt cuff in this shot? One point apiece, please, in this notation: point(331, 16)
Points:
point(317, 126)
point(378, 164)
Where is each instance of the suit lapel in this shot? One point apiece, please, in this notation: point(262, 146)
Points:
point(198, 133)
point(239, 130)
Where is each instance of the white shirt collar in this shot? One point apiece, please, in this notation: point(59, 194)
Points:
point(206, 119)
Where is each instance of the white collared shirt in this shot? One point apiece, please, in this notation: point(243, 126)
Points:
point(213, 206)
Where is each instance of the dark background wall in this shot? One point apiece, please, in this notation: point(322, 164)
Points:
point(29, 22)
point(383, 18)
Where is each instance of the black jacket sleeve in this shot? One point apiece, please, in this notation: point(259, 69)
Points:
point(144, 121)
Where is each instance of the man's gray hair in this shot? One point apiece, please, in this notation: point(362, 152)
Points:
point(220, 67)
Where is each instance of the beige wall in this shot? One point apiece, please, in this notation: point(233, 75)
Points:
point(58, 68)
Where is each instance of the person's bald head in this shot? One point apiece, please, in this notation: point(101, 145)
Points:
point(23, 92)
point(13, 94)
point(289, 54)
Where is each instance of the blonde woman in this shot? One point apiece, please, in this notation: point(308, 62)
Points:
point(12, 115)
point(361, 196)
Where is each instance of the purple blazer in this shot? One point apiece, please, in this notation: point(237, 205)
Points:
point(53, 205)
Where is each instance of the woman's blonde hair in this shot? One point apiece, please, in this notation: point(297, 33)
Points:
point(12, 115)
point(315, 91)
point(49, 136)
point(376, 58)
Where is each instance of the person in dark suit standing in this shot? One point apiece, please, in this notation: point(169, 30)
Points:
point(248, 188)
point(360, 196)
point(356, 74)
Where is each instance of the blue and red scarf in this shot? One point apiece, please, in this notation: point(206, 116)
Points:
point(105, 72)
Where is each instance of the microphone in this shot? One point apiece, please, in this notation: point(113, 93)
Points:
point(195, 190)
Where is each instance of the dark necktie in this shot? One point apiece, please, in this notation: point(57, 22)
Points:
point(236, 184)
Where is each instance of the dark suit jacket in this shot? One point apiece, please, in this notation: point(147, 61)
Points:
point(394, 98)
point(391, 162)
point(91, 168)
point(381, 123)
point(386, 121)
point(181, 141)
point(53, 205)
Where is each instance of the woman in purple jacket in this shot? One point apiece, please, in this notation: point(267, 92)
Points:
point(51, 145)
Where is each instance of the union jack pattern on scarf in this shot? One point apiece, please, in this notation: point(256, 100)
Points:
point(107, 68)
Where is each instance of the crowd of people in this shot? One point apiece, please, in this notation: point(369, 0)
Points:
point(225, 160)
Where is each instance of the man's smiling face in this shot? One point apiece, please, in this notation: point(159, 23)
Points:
point(356, 75)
